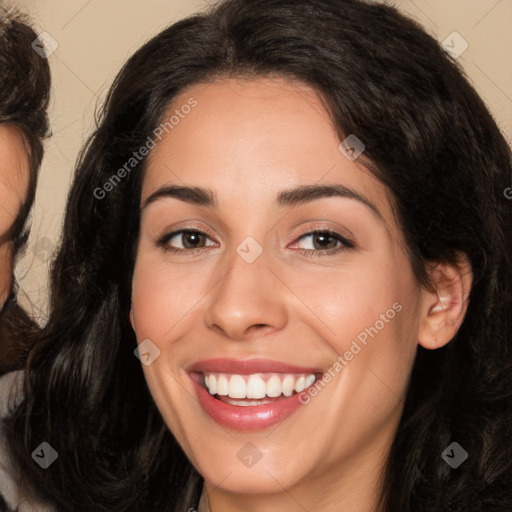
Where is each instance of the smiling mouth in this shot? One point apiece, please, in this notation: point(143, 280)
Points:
point(254, 389)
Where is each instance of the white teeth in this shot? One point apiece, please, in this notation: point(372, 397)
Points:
point(288, 383)
point(300, 384)
point(246, 403)
point(274, 386)
point(211, 384)
point(256, 387)
point(237, 387)
point(222, 386)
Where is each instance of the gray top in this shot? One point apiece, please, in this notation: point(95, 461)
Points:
point(10, 395)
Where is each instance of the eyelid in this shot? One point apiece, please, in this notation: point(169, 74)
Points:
point(162, 240)
point(323, 226)
point(345, 242)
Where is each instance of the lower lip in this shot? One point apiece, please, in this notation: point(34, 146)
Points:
point(238, 417)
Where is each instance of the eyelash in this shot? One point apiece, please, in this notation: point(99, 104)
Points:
point(345, 243)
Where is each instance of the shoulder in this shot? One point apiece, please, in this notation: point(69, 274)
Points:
point(11, 391)
point(11, 500)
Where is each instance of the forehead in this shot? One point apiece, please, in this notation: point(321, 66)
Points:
point(275, 114)
point(249, 139)
point(14, 174)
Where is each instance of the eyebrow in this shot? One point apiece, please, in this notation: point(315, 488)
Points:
point(290, 197)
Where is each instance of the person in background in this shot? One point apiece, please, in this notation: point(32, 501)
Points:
point(24, 96)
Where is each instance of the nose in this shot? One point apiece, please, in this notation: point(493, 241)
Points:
point(249, 301)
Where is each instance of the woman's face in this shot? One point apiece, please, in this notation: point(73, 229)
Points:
point(251, 300)
point(14, 178)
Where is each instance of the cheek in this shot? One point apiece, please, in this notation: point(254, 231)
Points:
point(343, 302)
point(367, 314)
point(161, 298)
point(163, 294)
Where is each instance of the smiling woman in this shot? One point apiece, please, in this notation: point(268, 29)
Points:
point(327, 222)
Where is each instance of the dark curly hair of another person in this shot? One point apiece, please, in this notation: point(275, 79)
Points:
point(24, 97)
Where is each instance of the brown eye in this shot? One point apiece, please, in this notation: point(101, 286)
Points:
point(322, 243)
point(183, 240)
point(192, 239)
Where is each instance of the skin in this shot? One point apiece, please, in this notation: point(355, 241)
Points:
point(14, 181)
point(248, 141)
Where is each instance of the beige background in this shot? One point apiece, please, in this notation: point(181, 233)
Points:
point(95, 37)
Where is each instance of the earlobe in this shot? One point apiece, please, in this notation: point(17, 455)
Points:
point(132, 321)
point(445, 306)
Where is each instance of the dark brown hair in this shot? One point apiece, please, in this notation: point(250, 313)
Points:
point(24, 98)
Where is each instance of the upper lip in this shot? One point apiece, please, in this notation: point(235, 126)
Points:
point(248, 366)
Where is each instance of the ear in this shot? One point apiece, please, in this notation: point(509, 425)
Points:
point(445, 306)
point(132, 321)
